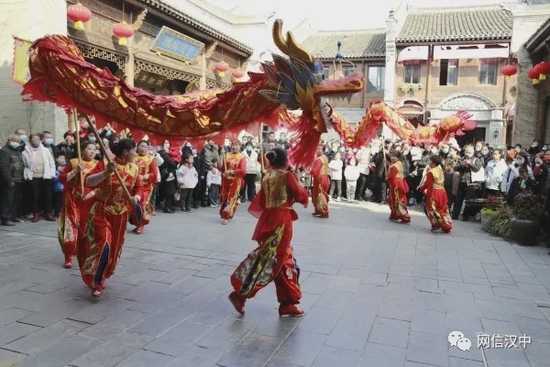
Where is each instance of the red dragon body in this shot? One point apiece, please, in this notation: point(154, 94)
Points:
point(60, 74)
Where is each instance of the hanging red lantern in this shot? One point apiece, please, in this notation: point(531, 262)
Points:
point(78, 14)
point(533, 74)
point(544, 69)
point(237, 73)
point(509, 69)
point(220, 68)
point(123, 31)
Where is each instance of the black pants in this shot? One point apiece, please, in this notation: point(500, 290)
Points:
point(465, 192)
point(249, 188)
point(335, 185)
point(361, 187)
point(10, 198)
point(42, 195)
point(379, 192)
point(214, 194)
point(57, 202)
point(199, 193)
point(186, 199)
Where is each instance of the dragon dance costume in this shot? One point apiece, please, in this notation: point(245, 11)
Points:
point(321, 184)
point(101, 247)
point(231, 184)
point(436, 206)
point(76, 205)
point(273, 259)
point(398, 190)
point(147, 178)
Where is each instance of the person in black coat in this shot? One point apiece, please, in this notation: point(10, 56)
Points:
point(168, 183)
point(11, 180)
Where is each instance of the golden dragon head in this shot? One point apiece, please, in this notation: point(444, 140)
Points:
point(297, 82)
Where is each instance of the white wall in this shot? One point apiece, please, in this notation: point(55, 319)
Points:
point(27, 19)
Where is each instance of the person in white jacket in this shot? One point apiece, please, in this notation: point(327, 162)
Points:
point(252, 170)
point(335, 171)
point(39, 171)
point(214, 184)
point(351, 173)
point(188, 178)
point(494, 173)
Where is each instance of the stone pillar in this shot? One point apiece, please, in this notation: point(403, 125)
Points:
point(391, 59)
point(29, 20)
point(525, 128)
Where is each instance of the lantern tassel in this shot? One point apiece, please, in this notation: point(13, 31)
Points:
point(123, 41)
point(542, 77)
point(535, 81)
point(79, 25)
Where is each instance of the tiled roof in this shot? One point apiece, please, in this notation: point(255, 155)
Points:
point(369, 43)
point(171, 11)
point(456, 25)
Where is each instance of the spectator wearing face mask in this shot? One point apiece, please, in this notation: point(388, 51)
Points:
point(363, 160)
point(11, 180)
point(351, 173)
point(335, 168)
point(48, 142)
point(494, 173)
point(67, 147)
point(248, 192)
point(513, 171)
point(39, 170)
point(469, 167)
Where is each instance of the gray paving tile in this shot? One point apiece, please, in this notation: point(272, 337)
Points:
point(62, 352)
point(144, 358)
point(427, 348)
point(390, 332)
point(382, 356)
point(15, 331)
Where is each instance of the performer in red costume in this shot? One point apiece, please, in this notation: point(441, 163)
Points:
point(273, 259)
point(398, 190)
point(76, 202)
point(101, 247)
point(321, 184)
point(234, 170)
point(147, 178)
point(436, 206)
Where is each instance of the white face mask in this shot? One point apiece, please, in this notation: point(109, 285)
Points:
point(14, 144)
point(48, 141)
point(24, 138)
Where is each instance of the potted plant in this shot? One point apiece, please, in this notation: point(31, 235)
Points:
point(499, 223)
point(487, 215)
point(527, 209)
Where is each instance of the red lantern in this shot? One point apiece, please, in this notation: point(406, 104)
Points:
point(220, 68)
point(544, 69)
point(237, 73)
point(509, 69)
point(123, 31)
point(79, 14)
point(534, 74)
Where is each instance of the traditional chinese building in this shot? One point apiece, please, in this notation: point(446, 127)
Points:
point(450, 59)
point(348, 52)
point(167, 54)
point(529, 113)
point(170, 52)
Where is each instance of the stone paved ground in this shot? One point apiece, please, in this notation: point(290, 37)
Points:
point(376, 294)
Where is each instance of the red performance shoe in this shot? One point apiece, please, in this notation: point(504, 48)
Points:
point(290, 311)
point(237, 302)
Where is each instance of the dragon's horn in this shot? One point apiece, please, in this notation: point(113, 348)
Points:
point(288, 44)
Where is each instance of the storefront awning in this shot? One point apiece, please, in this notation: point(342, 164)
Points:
point(493, 51)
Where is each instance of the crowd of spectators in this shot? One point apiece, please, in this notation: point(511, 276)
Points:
point(190, 178)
